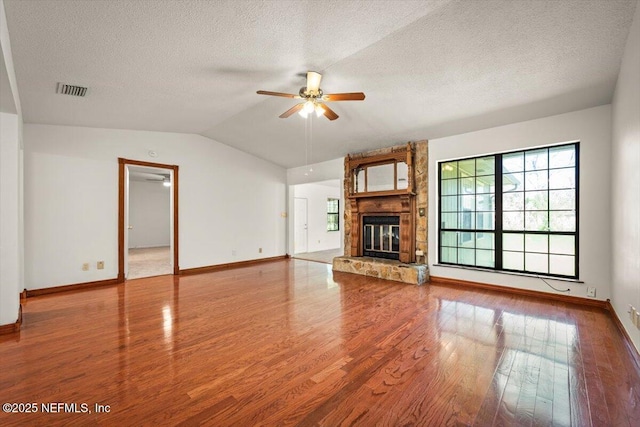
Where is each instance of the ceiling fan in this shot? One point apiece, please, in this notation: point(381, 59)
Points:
point(161, 178)
point(314, 98)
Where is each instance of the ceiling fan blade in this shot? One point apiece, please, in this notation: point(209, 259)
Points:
point(291, 111)
point(329, 113)
point(353, 96)
point(285, 95)
point(313, 81)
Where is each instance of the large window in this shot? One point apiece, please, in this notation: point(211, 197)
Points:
point(333, 214)
point(513, 211)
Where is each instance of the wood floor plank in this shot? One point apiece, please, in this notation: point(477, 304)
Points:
point(290, 343)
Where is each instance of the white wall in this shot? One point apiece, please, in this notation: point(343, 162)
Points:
point(149, 214)
point(592, 127)
point(10, 276)
point(11, 243)
point(625, 185)
point(323, 171)
point(318, 238)
point(228, 200)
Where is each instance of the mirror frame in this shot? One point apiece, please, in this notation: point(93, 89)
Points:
point(357, 165)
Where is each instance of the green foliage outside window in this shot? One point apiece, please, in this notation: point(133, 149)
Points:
point(333, 214)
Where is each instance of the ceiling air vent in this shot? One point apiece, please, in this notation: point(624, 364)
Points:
point(71, 90)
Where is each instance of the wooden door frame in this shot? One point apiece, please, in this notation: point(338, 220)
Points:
point(122, 163)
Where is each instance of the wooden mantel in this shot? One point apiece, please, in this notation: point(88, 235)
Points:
point(391, 202)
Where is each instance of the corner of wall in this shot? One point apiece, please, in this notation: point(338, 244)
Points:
point(625, 191)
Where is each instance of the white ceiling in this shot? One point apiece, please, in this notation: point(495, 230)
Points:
point(429, 68)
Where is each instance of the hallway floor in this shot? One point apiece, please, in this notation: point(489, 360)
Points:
point(320, 256)
point(147, 262)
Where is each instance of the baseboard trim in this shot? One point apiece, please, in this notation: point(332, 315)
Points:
point(73, 287)
point(12, 327)
point(524, 292)
point(635, 355)
point(231, 265)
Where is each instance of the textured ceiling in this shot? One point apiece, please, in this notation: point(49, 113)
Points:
point(428, 68)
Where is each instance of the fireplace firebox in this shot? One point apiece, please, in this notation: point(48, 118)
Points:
point(381, 236)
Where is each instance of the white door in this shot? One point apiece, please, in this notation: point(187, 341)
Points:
point(300, 225)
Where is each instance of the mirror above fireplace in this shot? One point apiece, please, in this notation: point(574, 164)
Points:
point(384, 174)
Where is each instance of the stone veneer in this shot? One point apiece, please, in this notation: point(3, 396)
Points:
point(416, 274)
point(392, 270)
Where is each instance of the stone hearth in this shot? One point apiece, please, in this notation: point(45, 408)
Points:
point(416, 274)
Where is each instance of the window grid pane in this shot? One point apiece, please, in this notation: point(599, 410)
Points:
point(467, 212)
point(539, 198)
point(333, 214)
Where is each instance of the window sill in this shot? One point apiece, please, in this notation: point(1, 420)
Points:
point(511, 273)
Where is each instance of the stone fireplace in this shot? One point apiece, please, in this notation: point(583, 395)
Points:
point(385, 214)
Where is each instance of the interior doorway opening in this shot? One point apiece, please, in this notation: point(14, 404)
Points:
point(317, 221)
point(147, 219)
point(148, 222)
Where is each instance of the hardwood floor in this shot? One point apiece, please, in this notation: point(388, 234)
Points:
point(288, 343)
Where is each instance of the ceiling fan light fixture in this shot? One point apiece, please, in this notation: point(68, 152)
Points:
point(309, 107)
point(314, 98)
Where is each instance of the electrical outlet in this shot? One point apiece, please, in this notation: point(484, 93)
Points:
point(85, 266)
point(591, 292)
point(100, 265)
point(259, 250)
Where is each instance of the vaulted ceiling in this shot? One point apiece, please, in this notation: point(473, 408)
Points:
point(429, 68)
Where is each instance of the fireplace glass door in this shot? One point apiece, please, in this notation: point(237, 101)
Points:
point(381, 237)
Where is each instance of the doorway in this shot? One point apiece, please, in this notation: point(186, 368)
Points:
point(148, 222)
point(147, 219)
point(317, 224)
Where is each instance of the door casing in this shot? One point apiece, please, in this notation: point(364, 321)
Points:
point(122, 181)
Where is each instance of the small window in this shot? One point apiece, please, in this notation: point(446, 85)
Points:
point(333, 214)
